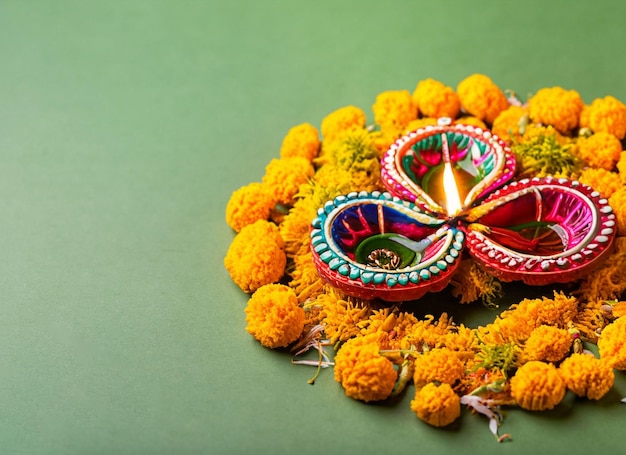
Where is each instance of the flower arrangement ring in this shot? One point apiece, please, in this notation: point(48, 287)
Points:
point(450, 190)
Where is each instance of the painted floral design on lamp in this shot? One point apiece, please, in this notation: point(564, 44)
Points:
point(446, 195)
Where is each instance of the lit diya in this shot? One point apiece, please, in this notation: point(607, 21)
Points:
point(446, 194)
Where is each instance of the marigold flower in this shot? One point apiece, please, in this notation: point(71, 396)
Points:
point(284, 176)
point(608, 281)
point(557, 107)
point(606, 182)
point(420, 123)
point(612, 344)
point(606, 114)
point(510, 124)
point(601, 150)
point(394, 109)
point(341, 120)
point(587, 376)
point(537, 386)
point(470, 282)
point(481, 97)
point(248, 204)
point(341, 317)
point(437, 405)
point(256, 256)
point(621, 167)
point(470, 121)
point(301, 140)
point(547, 343)
point(618, 202)
point(435, 99)
point(441, 365)
point(273, 316)
point(539, 155)
point(363, 372)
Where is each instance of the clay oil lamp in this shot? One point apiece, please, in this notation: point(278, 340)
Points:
point(448, 196)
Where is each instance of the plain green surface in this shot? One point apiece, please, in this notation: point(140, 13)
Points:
point(125, 126)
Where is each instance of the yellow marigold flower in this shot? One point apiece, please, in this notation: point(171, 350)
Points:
point(382, 140)
point(590, 320)
point(606, 182)
point(547, 343)
point(557, 107)
point(340, 316)
point(608, 281)
point(284, 176)
point(619, 309)
point(305, 279)
point(539, 153)
point(363, 372)
point(621, 167)
point(532, 131)
point(248, 204)
point(302, 140)
point(481, 97)
point(419, 123)
point(341, 120)
point(510, 124)
point(394, 109)
point(618, 202)
point(441, 365)
point(537, 386)
point(461, 340)
point(612, 344)
point(600, 150)
point(607, 115)
point(437, 405)
point(471, 120)
point(470, 282)
point(273, 316)
point(256, 256)
point(587, 376)
point(435, 99)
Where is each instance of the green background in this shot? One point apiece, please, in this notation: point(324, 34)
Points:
point(125, 126)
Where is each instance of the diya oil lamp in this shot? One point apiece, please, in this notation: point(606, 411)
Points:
point(448, 193)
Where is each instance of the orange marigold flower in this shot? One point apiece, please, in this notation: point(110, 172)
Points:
point(437, 405)
point(441, 365)
point(471, 121)
point(274, 317)
point(612, 344)
point(557, 107)
point(606, 182)
point(470, 282)
point(341, 120)
point(547, 343)
point(621, 167)
point(481, 97)
point(256, 256)
point(606, 114)
point(600, 150)
point(363, 372)
point(618, 202)
point(302, 140)
point(394, 109)
point(248, 204)
point(587, 376)
point(435, 99)
point(419, 123)
point(537, 386)
point(608, 281)
point(509, 125)
point(284, 176)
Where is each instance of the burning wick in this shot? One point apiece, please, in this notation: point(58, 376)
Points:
point(453, 200)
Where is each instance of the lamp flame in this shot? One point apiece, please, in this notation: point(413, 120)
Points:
point(453, 200)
